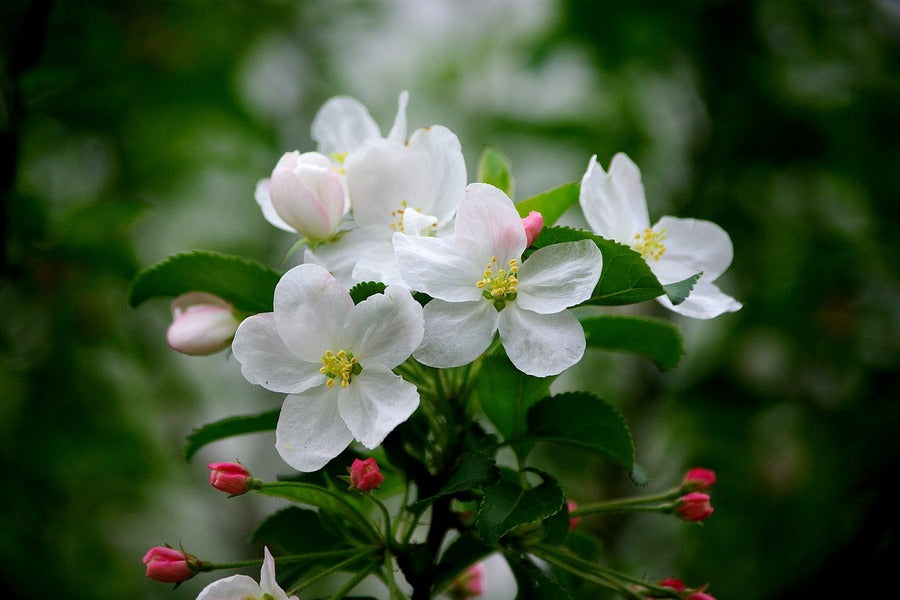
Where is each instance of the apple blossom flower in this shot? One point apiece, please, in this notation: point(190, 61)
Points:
point(480, 285)
point(334, 360)
point(469, 584)
point(412, 187)
point(694, 506)
point(202, 324)
point(343, 124)
point(170, 565)
point(242, 587)
point(698, 480)
point(231, 478)
point(675, 249)
point(365, 474)
point(307, 194)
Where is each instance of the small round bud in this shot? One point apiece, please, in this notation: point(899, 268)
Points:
point(365, 474)
point(694, 506)
point(698, 480)
point(231, 478)
point(170, 565)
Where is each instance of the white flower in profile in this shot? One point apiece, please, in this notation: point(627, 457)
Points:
point(675, 249)
point(343, 124)
point(480, 285)
point(242, 587)
point(334, 360)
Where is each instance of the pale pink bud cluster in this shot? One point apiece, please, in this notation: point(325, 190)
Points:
point(231, 478)
point(170, 565)
point(365, 474)
point(694, 506)
point(470, 584)
point(533, 223)
point(698, 480)
point(202, 324)
point(307, 192)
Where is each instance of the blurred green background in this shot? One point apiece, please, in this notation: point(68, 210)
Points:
point(131, 130)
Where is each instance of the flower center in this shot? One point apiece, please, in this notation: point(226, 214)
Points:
point(343, 365)
point(650, 243)
point(499, 285)
point(397, 218)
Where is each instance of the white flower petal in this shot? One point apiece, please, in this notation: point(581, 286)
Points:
point(310, 307)
point(559, 276)
point(706, 301)
point(439, 267)
point(488, 218)
point(267, 582)
point(310, 430)
point(384, 329)
point(231, 588)
point(378, 263)
point(398, 130)
point(441, 158)
point(266, 361)
point(456, 333)
point(342, 125)
point(265, 204)
point(541, 345)
point(695, 245)
point(374, 403)
point(614, 203)
point(340, 257)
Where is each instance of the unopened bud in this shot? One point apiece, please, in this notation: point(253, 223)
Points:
point(694, 506)
point(365, 474)
point(202, 324)
point(672, 582)
point(231, 478)
point(308, 194)
point(700, 596)
point(698, 480)
point(533, 223)
point(470, 584)
point(170, 565)
point(573, 521)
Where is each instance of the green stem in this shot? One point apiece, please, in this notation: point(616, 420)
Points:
point(388, 530)
point(352, 583)
point(626, 504)
point(332, 569)
point(283, 559)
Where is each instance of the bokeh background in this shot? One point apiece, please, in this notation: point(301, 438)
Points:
point(131, 130)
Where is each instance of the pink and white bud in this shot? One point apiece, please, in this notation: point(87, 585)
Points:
point(231, 478)
point(698, 480)
point(365, 474)
point(308, 194)
point(170, 565)
point(675, 584)
point(694, 506)
point(533, 223)
point(470, 584)
point(573, 521)
point(202, 324)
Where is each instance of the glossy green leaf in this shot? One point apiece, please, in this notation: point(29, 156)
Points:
point(230, 427)
point(658, 340)
point(552, 203)
point(246, 284)
point(493, 168)
point(279, 532)
point(340, 505)
point(506, 505)
point(361, 291)
point(532, 582)
point(505, 395)
point(475, 470)
point(680, 290)
point(584, 421)
point(626, 278)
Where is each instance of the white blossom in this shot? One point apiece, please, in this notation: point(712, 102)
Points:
point(242, 587)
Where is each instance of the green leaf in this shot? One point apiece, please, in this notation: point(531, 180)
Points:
point(493, 168)
point(584, 421)
point(552, 203)
point(626, 278)
point(475, 470)
point(342, 506)
point(232, 426)
point(462, 553)
point(506, 505)
point(361, 291)
point(680, 290)
point(506, 394)
point(658, 340)
point(532, 582)
point(279, 532)
point(247, 285)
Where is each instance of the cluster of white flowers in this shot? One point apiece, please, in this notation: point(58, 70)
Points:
point(397, 210)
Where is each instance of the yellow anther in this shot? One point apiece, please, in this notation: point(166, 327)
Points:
point(499, 285)
point(650, 243)
point(343, 365)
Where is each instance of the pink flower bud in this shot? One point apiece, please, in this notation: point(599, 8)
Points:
point(202, 324)
point(308, 194)
point(698, 480)
point(700, 596)
point(470, 584)
point(694, 506)
point(671, 582)
point(573, 521)
point(231, 478)
point(533, 223)
point(170, 565)
point(365, 474)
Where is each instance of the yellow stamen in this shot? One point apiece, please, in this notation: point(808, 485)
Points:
point(650, 243)
point(343, 365)
point(499, 285)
